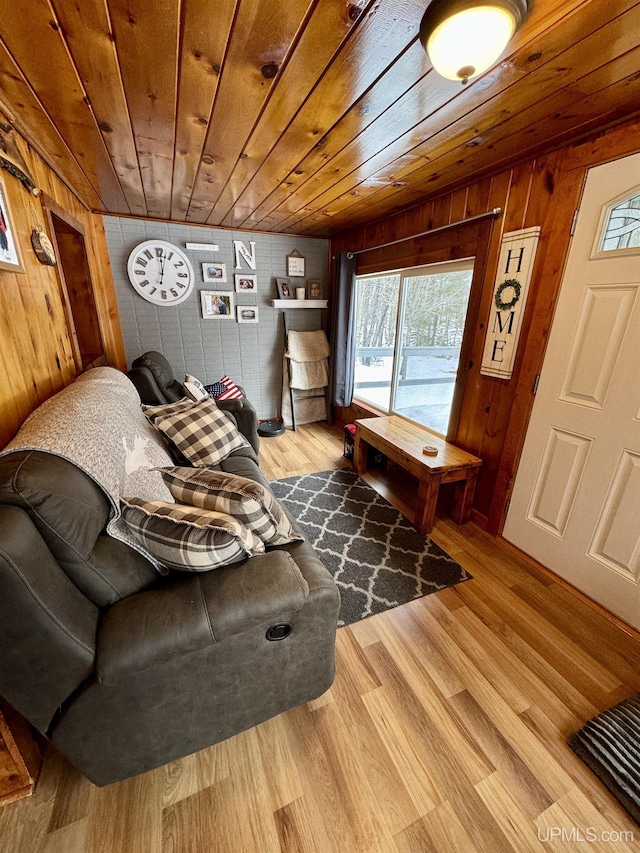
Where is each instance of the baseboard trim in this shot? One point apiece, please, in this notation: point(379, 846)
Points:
point(611, 617)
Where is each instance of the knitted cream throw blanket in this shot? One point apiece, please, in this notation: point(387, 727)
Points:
point(97, 424)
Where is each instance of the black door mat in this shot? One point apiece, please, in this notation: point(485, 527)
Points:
point(609, 745)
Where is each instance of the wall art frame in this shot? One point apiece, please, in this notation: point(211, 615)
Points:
point(246, 283)
point(214, 272)
point(217, 305)
point(247, 313)
point(10, 257)
point(285, 290)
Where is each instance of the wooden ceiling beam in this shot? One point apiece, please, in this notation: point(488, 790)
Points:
point(202, 57)
point(147, 41)
point(559, 81)
point(262, 36)
point(376, 42)
point(53, 77)
point(99, 73)
point(408, 111)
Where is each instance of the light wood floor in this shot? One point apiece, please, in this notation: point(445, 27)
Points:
point(444, 731)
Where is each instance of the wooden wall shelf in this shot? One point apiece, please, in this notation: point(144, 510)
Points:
point(299, 303)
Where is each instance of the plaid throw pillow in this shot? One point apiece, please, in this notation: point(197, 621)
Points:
point(195, 388)
point(231, 392)
point(152, 413)
point(186, 538)
point(202, 433)
point(247, 501)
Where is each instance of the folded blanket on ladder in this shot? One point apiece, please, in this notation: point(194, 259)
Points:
point(306, 371)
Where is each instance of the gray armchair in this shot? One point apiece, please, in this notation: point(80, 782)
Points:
point(153, 377)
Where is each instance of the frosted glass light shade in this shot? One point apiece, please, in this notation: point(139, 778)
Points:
point(465, 37)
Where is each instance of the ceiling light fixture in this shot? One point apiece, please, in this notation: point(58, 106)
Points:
point(465, 37)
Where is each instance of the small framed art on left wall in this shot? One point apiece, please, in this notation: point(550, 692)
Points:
point(10, 259)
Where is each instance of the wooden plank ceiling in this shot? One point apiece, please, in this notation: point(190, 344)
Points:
point(303, 116)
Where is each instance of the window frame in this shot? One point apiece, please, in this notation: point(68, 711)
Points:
point(470, 263)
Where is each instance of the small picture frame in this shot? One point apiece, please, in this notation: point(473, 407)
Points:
point(314, 289)
point(214, 272)
point(295, 265)
point(217, 305)
point(10, 259)
point(246, 283)
point(285, 291)
point(247, 313)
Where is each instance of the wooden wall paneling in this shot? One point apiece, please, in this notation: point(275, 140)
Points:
point(262, 35)
point(481, 252)
point(383, 31)
point(458, 120)
point(147, 40)
point(105, 294)
point(35, 346)
point(98, 255)
point(561, 189)
point(99, 72)
point(458, 206)
point(478, 197)
point(543, 192)
point(492, 396)
point(54, 80)
point(202, 55)
point(322, 36)
point(32, 121)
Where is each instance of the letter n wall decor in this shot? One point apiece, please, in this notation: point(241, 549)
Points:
point(515, 265)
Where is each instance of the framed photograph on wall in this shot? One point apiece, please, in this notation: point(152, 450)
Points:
point(284, 288)
point(314, 289)
point(217, 305)
point(9, 252)
point(214, 272)
point(246, 283)
point(247, 313)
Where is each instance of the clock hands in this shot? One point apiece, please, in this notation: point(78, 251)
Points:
point(162, 260)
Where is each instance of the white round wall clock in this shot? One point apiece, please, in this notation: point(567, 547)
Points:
point(160, 272)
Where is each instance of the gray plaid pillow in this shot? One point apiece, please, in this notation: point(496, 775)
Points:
point(202, 433)
point(247, 501)
point(187, 538)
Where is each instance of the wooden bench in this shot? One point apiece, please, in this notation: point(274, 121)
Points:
point(403, 442)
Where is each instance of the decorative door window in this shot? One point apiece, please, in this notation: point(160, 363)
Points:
point(620, 227)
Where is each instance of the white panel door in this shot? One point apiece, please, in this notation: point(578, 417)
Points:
point(575, 506)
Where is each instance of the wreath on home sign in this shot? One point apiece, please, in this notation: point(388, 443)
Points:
point(506, 306)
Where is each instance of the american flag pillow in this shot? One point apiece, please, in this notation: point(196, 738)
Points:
point(231, 392)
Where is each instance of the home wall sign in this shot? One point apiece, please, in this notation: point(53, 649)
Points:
point(241, 252)
point(160, 272)
point(511, 286)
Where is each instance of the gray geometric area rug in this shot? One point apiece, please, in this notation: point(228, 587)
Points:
point(377, 558)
